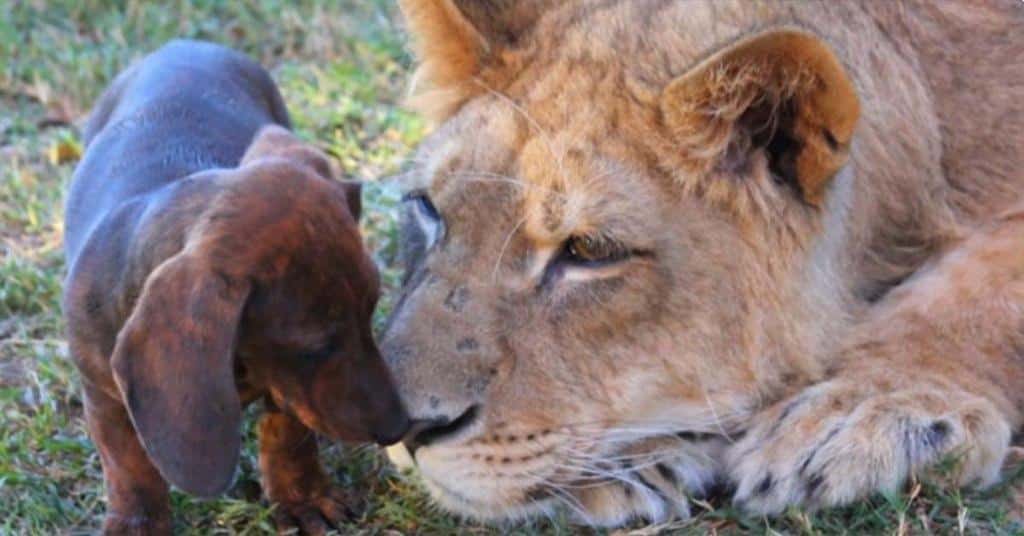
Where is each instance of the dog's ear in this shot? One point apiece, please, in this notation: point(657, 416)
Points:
point(276, 141)
point(354, 196)
point(173, 363)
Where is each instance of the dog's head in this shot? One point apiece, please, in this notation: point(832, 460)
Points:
point(273, 289)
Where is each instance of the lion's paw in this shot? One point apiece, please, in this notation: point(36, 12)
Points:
point(652, 481)
point(835, 443)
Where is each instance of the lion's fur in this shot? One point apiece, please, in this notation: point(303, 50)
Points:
point(558, 119)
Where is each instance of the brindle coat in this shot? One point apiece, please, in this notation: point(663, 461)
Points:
point(206, 273)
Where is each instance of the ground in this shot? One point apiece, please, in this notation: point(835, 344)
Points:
point(342, 67)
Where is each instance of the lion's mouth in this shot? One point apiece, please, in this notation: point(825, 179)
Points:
point(426, 432)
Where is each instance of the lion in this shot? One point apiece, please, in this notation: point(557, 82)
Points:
point(655, 248)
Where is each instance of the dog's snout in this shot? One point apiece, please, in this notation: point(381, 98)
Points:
point(394, 431)
point(423, 432)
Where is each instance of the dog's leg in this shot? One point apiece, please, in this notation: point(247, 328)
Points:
point(137, 496)
point(294, 479)
point(935, 373)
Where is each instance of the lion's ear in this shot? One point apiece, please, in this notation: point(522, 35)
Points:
point(781, 93)
point(456, 40)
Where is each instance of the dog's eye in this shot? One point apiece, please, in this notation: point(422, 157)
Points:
point(592, 251)
point(320, 353)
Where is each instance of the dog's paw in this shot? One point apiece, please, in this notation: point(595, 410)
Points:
point(840, 441)
point(318, 513)
point(136, 525)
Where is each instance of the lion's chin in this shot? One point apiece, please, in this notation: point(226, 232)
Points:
point(505, 504)
point(490, 509)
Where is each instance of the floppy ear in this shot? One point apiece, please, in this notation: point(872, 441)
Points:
point(456, 41)
point(782, 93)
point(277, 141)
point(173, 363)
point(354, 196)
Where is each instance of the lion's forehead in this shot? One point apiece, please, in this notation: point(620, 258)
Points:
point(550, 174)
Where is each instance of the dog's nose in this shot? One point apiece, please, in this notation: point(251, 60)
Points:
point(423, 432)
point(393, 432)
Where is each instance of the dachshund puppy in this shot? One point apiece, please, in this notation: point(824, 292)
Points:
point(206, 272)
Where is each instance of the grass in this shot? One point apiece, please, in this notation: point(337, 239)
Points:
point(342, 66)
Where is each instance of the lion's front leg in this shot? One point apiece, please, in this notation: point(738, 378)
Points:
point(844, 440)
point(653, 480)
point(935, 371)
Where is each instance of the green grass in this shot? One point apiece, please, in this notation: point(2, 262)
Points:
point(342, 67)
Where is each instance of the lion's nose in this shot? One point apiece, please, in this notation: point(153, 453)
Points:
point(423, 432)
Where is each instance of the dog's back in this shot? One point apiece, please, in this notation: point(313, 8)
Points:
point(187, 107)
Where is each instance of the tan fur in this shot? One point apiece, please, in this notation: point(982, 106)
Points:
point(765, 258)
point(703, 106)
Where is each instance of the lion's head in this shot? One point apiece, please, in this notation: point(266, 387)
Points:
point(609, 240)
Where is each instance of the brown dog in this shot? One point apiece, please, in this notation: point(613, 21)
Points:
point(196, 286)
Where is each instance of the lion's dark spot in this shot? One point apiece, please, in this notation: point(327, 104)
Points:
point(537, 493)
point(807, 462)
point(457, 299)
point(831, 434)
point(666, 473)
point(765, 485)
point(814, 483)
point(717, 492)
point(786, 412)
point(810, 457)
point(936, 434)
point(788, 378)
point(650, 486)
point(689, 435)
point(467, 345)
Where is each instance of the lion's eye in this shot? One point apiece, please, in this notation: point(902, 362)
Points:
point(592, 251)
point(425, 206)
point(426, 216)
